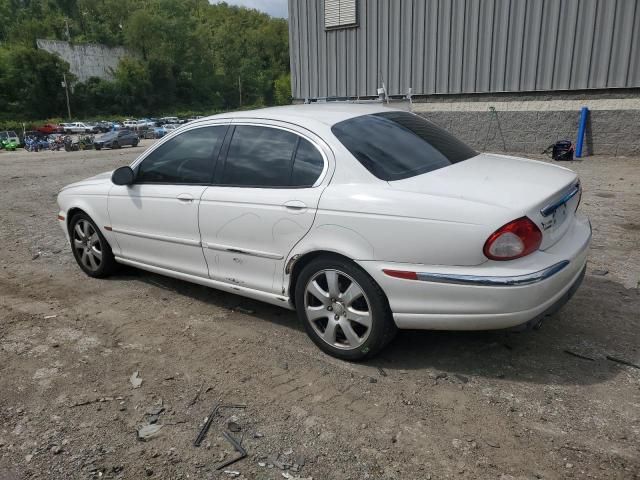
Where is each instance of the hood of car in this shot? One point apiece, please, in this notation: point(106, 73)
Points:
point(100, 179)
point(498, 180)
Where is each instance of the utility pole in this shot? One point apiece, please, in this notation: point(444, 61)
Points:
point(240, 89)
point(66, 90)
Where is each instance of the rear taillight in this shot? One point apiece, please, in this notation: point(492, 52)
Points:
point(514, 240)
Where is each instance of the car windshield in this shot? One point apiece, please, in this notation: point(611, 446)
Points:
point(108, 135)
point(4, 135)
point(397, 145)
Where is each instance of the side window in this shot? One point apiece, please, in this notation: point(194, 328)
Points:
point(259, 157)
point(185, 159)
point(307, 165)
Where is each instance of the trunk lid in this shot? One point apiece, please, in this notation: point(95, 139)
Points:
point(520, 186)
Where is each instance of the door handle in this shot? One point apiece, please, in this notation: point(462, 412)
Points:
point(185, 197)
point(295, 205)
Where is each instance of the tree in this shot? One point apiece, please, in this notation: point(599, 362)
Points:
point(186, 55)
point(283, 89)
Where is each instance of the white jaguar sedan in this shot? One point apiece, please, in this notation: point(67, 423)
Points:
point(362, 218)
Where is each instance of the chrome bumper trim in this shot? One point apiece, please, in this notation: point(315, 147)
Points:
point(503, 281)
point(549, 209)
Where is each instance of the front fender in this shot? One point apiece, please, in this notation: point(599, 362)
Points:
point(96, 206)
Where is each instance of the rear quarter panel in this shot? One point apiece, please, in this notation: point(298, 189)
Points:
point(375, 222)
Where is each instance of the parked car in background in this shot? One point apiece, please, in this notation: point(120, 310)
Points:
point(117, 139)
point(9, 140)
point(145, 123)
point(130, 123)
point(103, 126)
point(160, 132)
point(193, 119)
point(363, 218)
point(50, 128)
point(80, 127)
point(169, 120)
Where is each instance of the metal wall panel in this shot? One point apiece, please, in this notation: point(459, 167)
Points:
point(465, 46)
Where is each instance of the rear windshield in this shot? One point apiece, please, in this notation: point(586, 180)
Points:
point(397, 145)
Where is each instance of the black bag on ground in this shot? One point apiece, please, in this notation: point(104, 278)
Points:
point(562, 150)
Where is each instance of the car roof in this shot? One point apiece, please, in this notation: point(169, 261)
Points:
point(328, 113)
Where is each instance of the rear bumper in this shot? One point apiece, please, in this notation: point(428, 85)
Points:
point(493, 295)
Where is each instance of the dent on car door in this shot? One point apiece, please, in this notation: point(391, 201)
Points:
point(263, 202)
point(155, 220)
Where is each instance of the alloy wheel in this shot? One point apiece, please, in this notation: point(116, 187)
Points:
point(87, 245)
point(338, 309)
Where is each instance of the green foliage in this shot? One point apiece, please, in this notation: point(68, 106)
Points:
point(31, 82)
point(283, 89)
point(187, 55)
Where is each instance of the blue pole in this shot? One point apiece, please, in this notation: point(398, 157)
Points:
point(584, 113)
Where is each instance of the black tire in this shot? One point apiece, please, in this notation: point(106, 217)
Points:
point(135, 143)
point(115, 144)
point(107, 264)
point(98, 147)
point(382, 329)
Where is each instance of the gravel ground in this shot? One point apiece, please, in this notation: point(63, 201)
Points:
point(433, 405)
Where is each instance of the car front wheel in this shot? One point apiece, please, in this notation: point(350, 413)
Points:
point(342, 309)
point(90, 248)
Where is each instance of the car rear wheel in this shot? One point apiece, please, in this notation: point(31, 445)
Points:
point(135, 143)
point(90, 248)
point(115, 144)
point(342, 309)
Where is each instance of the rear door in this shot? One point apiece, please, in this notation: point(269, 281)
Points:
point(263, 201)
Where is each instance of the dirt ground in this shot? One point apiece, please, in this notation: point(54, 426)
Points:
point(433, 405)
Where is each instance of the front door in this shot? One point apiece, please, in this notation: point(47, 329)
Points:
point(263, 202)
point(155, 220)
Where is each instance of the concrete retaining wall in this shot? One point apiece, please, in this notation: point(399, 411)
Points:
point(86, 60)
point(533, 122)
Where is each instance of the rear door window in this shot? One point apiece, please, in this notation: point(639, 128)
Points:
point(397, 145)
point(259, 157)
point(307, 166)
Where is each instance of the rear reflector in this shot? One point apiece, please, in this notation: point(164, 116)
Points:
point(401, 274)
point(60, 217)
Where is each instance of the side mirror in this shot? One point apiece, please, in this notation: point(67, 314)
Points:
point(123, 176)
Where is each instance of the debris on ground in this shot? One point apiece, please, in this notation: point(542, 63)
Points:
point(246, 311)
point(233, 426)
point(578, 355)
point(242, 453)
point(206, 426)
point(149, 431)
point(599, 272)
point(288, 476)
point(621, 361)
point(197, 395)
point(135, 380)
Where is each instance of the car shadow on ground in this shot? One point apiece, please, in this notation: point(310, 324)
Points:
point(571, 347)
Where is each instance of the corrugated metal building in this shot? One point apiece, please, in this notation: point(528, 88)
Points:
point(472, 54)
